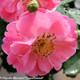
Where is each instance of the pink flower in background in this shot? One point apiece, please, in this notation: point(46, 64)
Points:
point(12, 9)
point(39, 41)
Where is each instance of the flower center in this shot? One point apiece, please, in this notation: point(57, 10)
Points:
point(43, 45)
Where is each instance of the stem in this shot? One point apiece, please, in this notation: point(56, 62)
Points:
point(51, 77)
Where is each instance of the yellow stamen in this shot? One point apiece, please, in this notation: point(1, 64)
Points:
point(43, 45)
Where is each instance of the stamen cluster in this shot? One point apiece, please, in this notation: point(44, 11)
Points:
point(43, 45)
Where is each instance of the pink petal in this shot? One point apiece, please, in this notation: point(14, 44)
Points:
point(55, 60)
point(12, 32)
point(10, 8)
point(11, 59)
point(44, 64)
point(6, 45)
point(1, 3)
point(36, 71)
point(48, 4)
point(72, 23)
point(66, 48)
point(8, 16)
point(21, 47)
point(28, 66)
point(36, 20)
point(62, 26)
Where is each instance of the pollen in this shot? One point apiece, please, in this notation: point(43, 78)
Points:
point(43, 45)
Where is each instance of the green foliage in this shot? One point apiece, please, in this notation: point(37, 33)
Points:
point(3, 24)
point(75, 14)
point(63, 2)
point(63, 11)
point(72, 66)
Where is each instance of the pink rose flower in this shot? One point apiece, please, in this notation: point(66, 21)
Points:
point(12, 9)
point(39, 41)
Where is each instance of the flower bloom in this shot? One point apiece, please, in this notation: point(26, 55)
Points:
point(12, 9)
point(39, 41)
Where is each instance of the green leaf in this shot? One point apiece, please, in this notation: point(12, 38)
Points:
point(2, 30)
point(63, 11)
point(0, 43)
point(65, 1)
point(75, 14)
point(72, 66)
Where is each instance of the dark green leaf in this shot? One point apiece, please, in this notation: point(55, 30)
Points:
point(72, 66)
point(2, 30)
point(62, 2)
